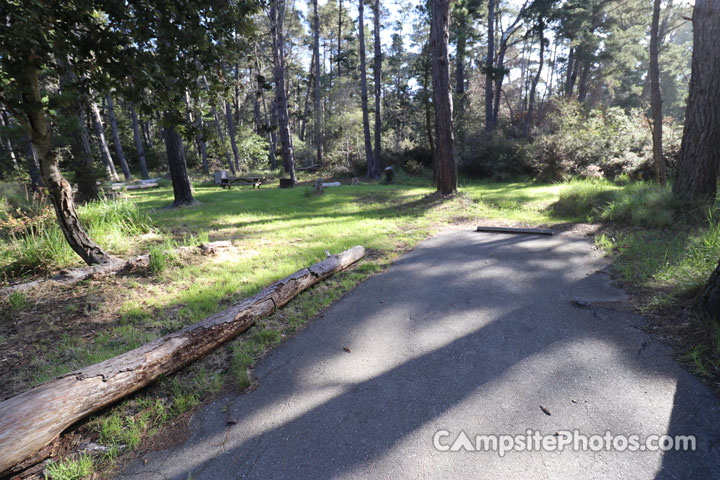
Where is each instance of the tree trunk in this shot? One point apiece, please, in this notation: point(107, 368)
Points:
point(427, 67)
point(100, 137)
point(699, 157)
point(584, 77)
point(33, 165)
point(444, 149)
point(317, 114)
point(536, 79)
point(306, 107)
point(569, 80)
point(338, 58)
point(83, 159)
point(709, 299)
point(499, 79)
point(363, 91)
point(116, 140)
point(378, 91)
point(200, 139)
point(489, 73)
point(277, 15)
point(231, 134)
point(31, 420)
point(460, 78)
point(178, 167)
point(8, 143)
point(58, 188)
point(656, 98)
point(138, 144)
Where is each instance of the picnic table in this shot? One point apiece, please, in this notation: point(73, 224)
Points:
point(225, 181)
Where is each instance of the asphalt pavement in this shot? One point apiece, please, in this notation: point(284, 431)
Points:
point(468, 337)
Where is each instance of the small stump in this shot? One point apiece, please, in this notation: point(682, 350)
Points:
point(318, 188)
point(286, 183)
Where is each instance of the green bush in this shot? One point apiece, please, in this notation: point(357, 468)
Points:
point(641, 204)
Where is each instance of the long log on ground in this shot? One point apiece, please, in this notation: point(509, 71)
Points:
point(33, 419)
point(521, 231)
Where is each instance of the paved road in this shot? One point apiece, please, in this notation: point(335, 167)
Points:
point(469, 332)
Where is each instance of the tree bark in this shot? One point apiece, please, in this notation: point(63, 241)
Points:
point(656, 98)
point(427, 67)
point(699, 157)
point(378, 91)
point(139, 145)
point(83, 159)
point(102, 143)
point(116, 140)
point(32, 419)
point(58, 188)
point(569, 79)
point(277, 22)
point(306, 107)
point(33, 165)
point(489, 73)
point(363, 91)
point(460, 77)
point(444, 149)
point(536, 79)
point(8, 143)
point(178, 167)
point(338, 57)
point(231, 134)
point(317, 114)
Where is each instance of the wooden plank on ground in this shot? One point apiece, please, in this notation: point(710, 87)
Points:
point(515, 230)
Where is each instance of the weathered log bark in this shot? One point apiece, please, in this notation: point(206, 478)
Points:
point(444, 140)
point(699, 159)
point(33, 419)
point(363, 90)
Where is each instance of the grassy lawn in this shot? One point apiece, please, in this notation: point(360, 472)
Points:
point(276, 232)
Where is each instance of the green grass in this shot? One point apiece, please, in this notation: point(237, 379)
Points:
point(277, 232)
point(41, 248)
point(70, 469)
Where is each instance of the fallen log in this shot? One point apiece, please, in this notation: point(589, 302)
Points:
point(31, 420)
point(521, 231)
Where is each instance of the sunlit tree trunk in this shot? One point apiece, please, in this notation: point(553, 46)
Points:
point(363, 91)
point(102, 143)
point(317, 114)
point(277, 21)
point(533, 87)
point(656, 97)
point(116, 140)
point(231, 134)
point(378, 91)
point(699, 157)
point(444, 149)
